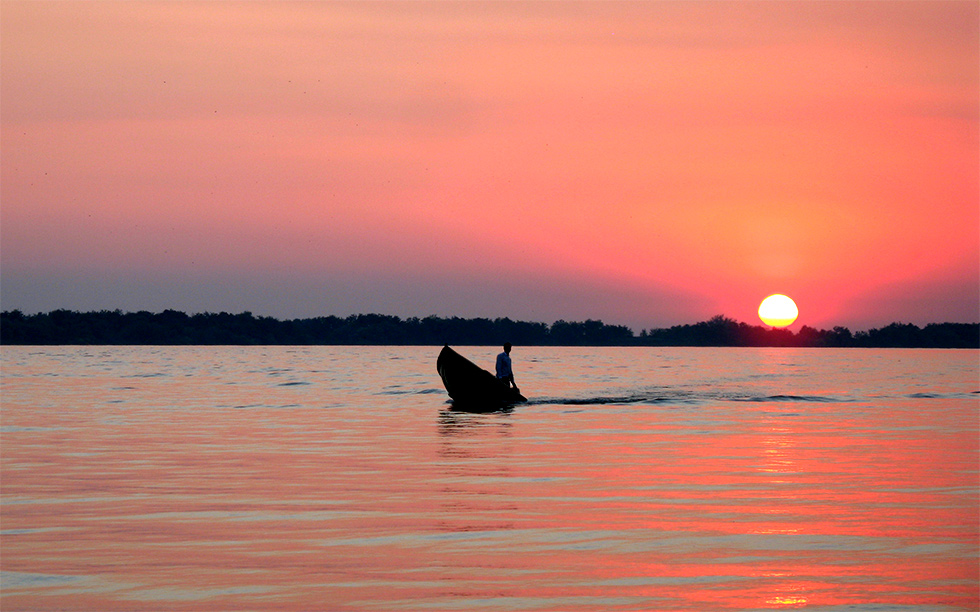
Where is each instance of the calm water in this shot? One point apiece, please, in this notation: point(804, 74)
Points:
point(338, 478)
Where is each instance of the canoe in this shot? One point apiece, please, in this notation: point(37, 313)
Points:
point(470, 385)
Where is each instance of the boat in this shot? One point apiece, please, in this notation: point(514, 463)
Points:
point(470, 386)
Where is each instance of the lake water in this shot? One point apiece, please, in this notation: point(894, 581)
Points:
point(338, 478)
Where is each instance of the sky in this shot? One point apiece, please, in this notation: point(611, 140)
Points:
point(644, 163)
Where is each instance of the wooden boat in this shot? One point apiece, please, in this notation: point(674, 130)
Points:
point(470, 385)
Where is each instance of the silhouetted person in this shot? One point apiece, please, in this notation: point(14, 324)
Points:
point(505, 371)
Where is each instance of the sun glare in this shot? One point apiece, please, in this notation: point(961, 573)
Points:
point(778, 311)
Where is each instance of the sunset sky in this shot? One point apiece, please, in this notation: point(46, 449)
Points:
point(643, 163)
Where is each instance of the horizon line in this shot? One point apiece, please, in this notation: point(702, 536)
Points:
point(719, 317)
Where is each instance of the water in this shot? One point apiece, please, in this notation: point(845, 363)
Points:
point(338, 478)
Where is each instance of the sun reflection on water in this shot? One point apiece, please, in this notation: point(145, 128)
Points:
point(787, 601)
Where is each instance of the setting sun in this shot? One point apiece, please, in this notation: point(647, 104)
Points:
point(778, 311)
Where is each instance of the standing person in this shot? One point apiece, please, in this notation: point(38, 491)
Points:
point(505, 370)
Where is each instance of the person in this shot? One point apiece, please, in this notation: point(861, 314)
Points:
point(505, 370)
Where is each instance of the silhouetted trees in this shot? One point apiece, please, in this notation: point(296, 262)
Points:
point(173, 327)
point(589, 333)
point(722, 331)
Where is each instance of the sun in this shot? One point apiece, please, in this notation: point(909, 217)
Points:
point(778, 310)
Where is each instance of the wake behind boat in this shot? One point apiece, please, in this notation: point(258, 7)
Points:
point(469, 385)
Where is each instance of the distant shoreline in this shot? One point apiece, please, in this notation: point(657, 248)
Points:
point(170, 327)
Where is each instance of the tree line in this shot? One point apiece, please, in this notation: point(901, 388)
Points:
point(172, 327)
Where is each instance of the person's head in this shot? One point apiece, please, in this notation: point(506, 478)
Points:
point(507, 347)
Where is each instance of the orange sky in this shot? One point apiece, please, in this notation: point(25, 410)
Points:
point(648, 163)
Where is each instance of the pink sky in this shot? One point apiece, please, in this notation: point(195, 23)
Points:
point(647, 164)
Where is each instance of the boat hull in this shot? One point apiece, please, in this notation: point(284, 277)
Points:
point(469, 385)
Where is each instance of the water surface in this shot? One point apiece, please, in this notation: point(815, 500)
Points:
point(339, 478)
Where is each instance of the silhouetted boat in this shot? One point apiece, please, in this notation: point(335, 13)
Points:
point(471, 386)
